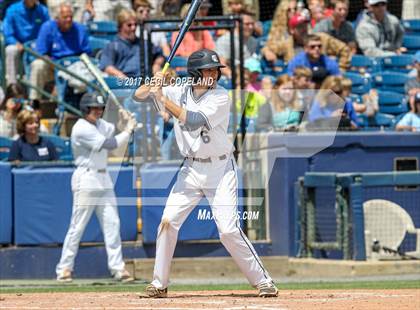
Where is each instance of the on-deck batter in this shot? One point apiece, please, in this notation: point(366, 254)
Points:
point(201, 113)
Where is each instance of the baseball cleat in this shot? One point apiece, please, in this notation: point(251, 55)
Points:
point(154, 292)
point(267, 289)
point(65, 276)
point(123, 276)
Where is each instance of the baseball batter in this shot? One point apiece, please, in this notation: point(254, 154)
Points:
point(92, 187)
point(201, 112)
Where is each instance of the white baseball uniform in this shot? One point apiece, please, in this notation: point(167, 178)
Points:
point(210, 170)
point(93, 190)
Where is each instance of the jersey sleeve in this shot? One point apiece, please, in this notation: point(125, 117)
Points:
point(173, 93)
point(216, 109)
point(90, 138)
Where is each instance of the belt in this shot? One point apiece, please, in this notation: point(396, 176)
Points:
point(97, 170)
point(208, 159)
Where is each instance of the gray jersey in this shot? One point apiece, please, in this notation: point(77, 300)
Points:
point(211, 139)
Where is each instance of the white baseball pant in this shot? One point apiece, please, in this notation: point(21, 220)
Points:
point(218, 182)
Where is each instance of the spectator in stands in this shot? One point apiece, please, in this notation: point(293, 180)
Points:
point(330, 108)
point(298, 28)
point(302, 82)
point(121, 57)
point(57, 39)
point(31, 146)
point(193, 40)
point(379, 33)
point(318, 11)
point(312, 58)
point(411, 121)
point(337, 25)
point(9, 109)
point(282, 111)
point(171, 8)
point(250, 43)
point(347, 85)
point(204, 12)
point(21, 24)
point(284, 11)
point(253, 66)
point(412, 86)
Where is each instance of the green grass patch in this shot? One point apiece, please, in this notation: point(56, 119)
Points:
point(138, 288)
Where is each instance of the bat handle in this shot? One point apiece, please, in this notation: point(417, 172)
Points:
point(165, 67)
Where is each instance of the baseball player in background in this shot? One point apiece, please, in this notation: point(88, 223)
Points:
point(92, 187)
point(201, 111)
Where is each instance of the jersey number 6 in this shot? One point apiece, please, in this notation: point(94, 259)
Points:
point(205, 137)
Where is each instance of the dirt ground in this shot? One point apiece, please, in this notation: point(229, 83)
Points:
point(234, 300)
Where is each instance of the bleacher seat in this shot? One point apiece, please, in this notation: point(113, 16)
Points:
point(97, 44)
point(412, 43)
point(180, 65)
point(412, 26)
point(361, 84)
point(390, 81)
point(62, 146)
point(380, 120)
point(392, 102)
point(362, 64)
point(103, 29)
point(398, 63)
point(5, 145)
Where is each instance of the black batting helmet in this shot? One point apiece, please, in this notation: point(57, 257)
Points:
point(203, 59)
point(90, 100)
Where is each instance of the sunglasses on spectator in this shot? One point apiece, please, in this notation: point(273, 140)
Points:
point(131, 24)
point(314, 46)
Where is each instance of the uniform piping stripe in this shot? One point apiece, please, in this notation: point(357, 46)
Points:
point(239, 226)
point(207, 120)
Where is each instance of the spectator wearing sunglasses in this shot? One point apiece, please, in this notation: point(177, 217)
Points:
point(9, 109)
point(379, 33)
point(313, 58)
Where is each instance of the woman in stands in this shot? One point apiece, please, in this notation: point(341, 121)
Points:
point(31, 146)
point(9, 109)
point(282, 112)
point(411, 121)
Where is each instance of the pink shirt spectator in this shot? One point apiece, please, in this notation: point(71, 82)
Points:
point(193, 42)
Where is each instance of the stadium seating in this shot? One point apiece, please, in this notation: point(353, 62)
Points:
point(62, 146)
point(5, 144)
point(97, 44)
point(380, 120)
point(392, 103)
point(361, 84)
point(398, 63)
point(103, 29)
point(180, 65)
point(390, 81)
point(412, 43)
point(363, 64)
point(412, 26)
point(276, 69)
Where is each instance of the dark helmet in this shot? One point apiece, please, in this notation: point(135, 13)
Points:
point(90, 100)
point(203, 59)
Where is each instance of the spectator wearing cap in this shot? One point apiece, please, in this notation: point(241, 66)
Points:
point(31, 146)
point(253, 66)
point(411, 120)
point(337, 25)
point(193, 40)
point(379, 33)
point(22, 23)
point(57, 39)
point(412, 86)
point(121, 57)
point(312, 58)
point(290, 47)
point(250, 43)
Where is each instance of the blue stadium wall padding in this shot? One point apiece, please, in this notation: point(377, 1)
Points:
point(358, 228)
point(157, 182)
point(43, 206)
point(6, 200)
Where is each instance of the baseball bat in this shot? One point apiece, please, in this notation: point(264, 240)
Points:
point(192, 11)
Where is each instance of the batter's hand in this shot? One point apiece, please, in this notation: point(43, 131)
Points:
point(130, 125)
point(156, 88)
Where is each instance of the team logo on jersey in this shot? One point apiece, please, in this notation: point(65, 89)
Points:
point(214, 58)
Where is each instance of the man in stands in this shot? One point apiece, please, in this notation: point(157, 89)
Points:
point(250, 43)
point(337, 25)
point(379, 34)
point(57, 39)
point(21, 24)
point(289, 47)
point(412, 86)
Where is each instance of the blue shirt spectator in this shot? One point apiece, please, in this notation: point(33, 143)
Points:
point(302, 60)
point(57, 44)
point(122, 54)
point(25, 151)
point(22, 22)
